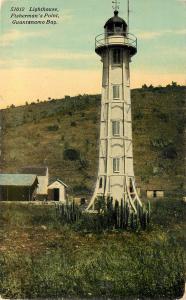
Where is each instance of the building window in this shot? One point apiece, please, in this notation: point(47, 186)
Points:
point(115, 91)
point(116, 166)
point(155, 194)
point(116, 56)
point(115, 128)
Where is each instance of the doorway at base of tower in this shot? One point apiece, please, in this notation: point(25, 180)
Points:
point(101, 181)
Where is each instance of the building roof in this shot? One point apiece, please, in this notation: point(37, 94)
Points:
point(57, 179)
point(115, 20)
point(40, 171)
point(17, 179)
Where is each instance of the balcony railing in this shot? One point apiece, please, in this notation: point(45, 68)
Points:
point(115, 39)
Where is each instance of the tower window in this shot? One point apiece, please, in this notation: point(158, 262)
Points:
point(116, 56)
point(115, 91)
point(101, 183)
point(116, 166)
point(115, 128)
point(118, 29)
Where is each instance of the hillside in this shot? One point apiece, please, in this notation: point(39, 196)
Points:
point(63, 134)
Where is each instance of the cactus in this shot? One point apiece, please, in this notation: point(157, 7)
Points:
point(118, 216)
point(122, 215)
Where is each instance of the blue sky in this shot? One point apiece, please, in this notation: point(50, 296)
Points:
point(40, 61)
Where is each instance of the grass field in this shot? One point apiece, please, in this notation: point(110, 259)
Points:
point(41, 258)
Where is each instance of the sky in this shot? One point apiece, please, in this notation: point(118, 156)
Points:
point(42, 61)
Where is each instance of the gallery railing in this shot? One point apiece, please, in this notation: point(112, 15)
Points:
point(111, 39)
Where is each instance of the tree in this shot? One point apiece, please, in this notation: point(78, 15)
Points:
point(174, 84)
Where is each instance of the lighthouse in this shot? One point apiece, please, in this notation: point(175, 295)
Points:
point(116, 46)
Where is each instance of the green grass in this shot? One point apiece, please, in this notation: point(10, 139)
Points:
point(41, 258)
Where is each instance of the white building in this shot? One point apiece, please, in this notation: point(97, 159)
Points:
point(154, 193)
point(43, 179)
point(116, 173)
point(57, 191)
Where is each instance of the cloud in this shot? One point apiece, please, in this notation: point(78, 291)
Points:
point(182, 1)
point(68, 56)
point(178, 31)
point(45, 58)
point(11, 63)
point(8, 38)
point(147, 35)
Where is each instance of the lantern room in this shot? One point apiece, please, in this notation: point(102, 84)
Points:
point(115, 26)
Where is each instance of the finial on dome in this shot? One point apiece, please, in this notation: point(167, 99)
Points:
point(115, 6)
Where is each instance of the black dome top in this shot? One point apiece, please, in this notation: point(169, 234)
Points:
point(116, 20)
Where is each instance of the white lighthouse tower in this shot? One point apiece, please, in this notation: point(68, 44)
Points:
point(116, 173)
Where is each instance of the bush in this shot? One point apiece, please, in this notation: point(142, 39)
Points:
point(71, 154)
point(138, 115)
point(169, 152)
point(81, 188)
point(160, 143)
point(83, 163)
point(53, 128)
point(163, 117)
point(73, 124)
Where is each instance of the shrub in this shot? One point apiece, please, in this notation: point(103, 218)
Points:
point(73, 124)
point(83, 163)
point(160, 143)
point(169, 152)
point(163, 117)
point(71, 154)
point(81, 188)
point(138, 115)
point(53, 128)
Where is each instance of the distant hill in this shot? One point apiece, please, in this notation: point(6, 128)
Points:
point(64, 135)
